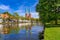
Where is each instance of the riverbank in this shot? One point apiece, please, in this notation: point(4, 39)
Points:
point(52, 33)
point(24, 24)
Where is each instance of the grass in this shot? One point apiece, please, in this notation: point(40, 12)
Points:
point(52, 33)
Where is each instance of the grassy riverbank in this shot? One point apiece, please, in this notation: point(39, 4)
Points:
point(52, 33)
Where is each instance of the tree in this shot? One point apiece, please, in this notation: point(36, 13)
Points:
point(8, 18)
point(9, 14)
point(17, 16)
point(46, 9)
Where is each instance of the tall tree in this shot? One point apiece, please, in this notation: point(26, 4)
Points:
point(17, 16)
point(7, 13)
point(46, 9)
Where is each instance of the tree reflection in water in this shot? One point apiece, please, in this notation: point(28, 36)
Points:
point(24, 32)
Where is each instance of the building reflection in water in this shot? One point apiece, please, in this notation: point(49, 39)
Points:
point(28, 32)
point(16, 32)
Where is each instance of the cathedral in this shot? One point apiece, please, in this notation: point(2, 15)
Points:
point(28, 14)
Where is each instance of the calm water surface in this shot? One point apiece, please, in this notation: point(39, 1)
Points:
point(17, 32)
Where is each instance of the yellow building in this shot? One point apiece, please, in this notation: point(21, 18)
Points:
point(4, 16)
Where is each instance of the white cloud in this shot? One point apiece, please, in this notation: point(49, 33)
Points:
point(19, 11)
point(35, 4)
point(4, 7)
point(35, 14)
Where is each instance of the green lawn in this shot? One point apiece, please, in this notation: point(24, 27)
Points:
point(52, 33)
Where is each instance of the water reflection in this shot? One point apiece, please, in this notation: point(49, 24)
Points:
point(17, 32)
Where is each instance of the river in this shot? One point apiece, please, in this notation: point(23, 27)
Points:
point(20, 32)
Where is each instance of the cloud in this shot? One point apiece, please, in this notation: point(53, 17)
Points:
point(20, 9)
point(35, 14)
point(35, 4)
point(4, 7)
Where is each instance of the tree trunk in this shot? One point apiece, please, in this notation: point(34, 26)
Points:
point(56, 18)
point(17, 21)
point(56, 21)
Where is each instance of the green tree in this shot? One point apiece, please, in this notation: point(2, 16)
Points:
point(7, 13)
point(8, 16)
point(46, 9)
point(17, 16)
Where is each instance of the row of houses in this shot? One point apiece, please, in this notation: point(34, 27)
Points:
point(5, 16)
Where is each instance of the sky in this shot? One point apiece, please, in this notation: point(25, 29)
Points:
point(19, 6)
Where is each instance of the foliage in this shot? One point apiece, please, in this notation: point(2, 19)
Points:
point(7, 13)
point(47, 10)
point(16, 15)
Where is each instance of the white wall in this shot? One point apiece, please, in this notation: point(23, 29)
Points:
point(1, 20)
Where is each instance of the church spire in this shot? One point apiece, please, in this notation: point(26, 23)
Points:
point(26, 10)
point(27, 13)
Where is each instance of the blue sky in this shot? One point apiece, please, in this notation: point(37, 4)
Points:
point(19, 6)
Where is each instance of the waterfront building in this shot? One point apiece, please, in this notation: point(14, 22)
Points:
point(4, 16)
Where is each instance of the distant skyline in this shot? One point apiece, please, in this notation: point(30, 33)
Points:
point(19, 6)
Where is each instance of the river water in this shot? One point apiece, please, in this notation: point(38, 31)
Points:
point(17, 32)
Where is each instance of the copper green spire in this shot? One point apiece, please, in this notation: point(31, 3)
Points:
point(26, 10)
point(29, 11)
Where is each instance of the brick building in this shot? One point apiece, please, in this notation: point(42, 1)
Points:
point(28, 15)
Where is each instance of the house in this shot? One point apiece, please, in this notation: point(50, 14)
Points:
point(3, 16)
